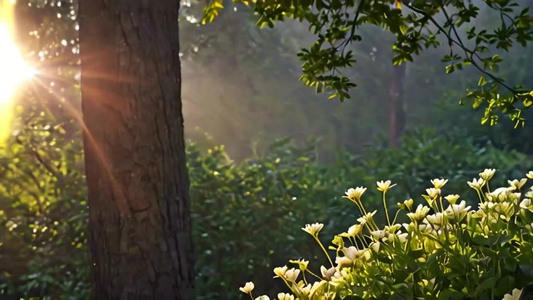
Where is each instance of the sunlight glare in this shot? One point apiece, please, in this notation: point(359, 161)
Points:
point(13, 69)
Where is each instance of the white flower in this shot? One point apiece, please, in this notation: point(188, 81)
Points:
point(264, 297)
point(355, 194)
point(284, 296)
point(354, 253)
point(425, 228)
point(530, 175)
point(525, 204)
point(435, 219)
point(476, 183)
point(313, 229)
point(350, 252)
point(375, 246)
point(487, 174)
point(327, 273)
point(487, 206)
point(419, 214)
point(392, 228)
point(384, 186)
point(515, 197)
point(516, 294)
point(457, 211)
point(500, 194)
point(402, 237)
point(378, 234)
point(366, 217)
point(504, 208)
point(409, 227)
point(280, 271)
point(439, 183)
point(433, 192)
point(452, 198)
point(517, 184)
point(343, 262)
point(305, 289)
point(353, 231)
point(292, 274)
point(247, 288)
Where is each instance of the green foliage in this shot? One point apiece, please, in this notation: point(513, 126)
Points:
point(440, 253)
point(49, 244)
point(44, 211)
point(244, 215)
point(254, 207)
point(251, 208)
point(426, 154)
point(416, 25)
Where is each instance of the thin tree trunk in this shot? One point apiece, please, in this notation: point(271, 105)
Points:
point(396, 112)
point(139, 215)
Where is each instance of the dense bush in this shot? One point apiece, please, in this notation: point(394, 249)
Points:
point(252, 208)
point(256, 207)
point(442, 252)
point(43, 211)
point(427, 154)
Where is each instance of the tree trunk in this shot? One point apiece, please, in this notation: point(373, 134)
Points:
point(137, 180)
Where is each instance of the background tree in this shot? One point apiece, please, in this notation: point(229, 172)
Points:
point(139, 219)
point(416, 25)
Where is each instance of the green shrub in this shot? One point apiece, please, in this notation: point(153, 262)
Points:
point(427, 154)
point(445, 251)
point(43, 212)
point(248, 208)
point(251, 208)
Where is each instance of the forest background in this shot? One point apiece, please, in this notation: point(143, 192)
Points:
point(289, 153)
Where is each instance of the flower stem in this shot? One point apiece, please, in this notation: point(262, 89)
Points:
point(395, 216)
point(360, 207)
point(319, 278)
point(385, 205)
point(479, 194)
point(324, 249)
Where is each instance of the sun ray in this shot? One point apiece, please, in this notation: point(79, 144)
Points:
point(13, 68)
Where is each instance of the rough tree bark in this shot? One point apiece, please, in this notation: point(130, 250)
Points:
point(134, 150)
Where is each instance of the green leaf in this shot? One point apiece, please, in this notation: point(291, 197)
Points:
point(450, 69)
point(450, 294)
point(482, 81)
point(486, 284)
point(497, 59)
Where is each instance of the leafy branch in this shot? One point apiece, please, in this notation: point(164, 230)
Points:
point(334, 23)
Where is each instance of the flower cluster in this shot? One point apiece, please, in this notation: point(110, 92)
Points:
point(445, 250)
